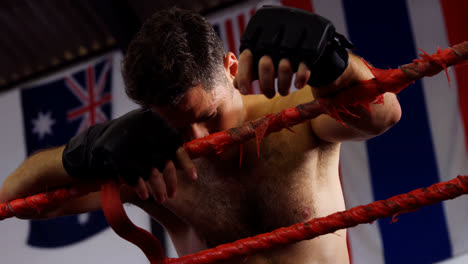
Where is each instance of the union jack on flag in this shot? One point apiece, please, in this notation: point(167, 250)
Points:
point(53, 112)
point(92, 97)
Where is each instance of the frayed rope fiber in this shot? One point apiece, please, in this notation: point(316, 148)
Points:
point(363, 93)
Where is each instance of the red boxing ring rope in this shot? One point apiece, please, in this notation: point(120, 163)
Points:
point(323, 225)
point(363, 93)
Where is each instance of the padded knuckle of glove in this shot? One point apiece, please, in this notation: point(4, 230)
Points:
point(128, 146)
point(300, 36)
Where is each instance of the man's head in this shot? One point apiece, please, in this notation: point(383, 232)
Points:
point(176, 66)
point(173, 51)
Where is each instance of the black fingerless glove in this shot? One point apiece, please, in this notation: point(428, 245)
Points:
point(300, 36)
point(129, 146)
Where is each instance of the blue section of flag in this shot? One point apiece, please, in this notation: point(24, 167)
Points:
point(382, 33)
point(53, 113)
point(65, 230)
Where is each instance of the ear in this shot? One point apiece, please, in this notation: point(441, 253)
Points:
point(230, 64)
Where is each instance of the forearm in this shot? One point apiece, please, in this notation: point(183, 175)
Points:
point(368, 123)
point(41, 172)
point(373, 122)
point(88, 203)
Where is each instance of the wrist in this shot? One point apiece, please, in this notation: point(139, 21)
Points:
point(355, 72)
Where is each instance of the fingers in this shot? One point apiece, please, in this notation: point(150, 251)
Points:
point(157, 185)
point(186, 164)
point(266, 76)
point(170, 178)
point(141, 189)
point(163, 185)
point(302, 76)
point(244, 73)
point(160, 185)
point(285, 73)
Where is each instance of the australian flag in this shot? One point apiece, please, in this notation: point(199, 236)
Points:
point(53, 112)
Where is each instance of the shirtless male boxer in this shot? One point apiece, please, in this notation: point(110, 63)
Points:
point(176, 66)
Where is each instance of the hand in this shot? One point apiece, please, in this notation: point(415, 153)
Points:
point(267, 75)
point(279, 41)
point(138, 146)
point(163, 185)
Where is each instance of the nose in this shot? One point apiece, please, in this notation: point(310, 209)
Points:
point(198, 131)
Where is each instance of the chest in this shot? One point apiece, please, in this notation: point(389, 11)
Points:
point(265, 192)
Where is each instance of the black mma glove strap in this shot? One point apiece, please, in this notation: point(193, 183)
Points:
point(76, 155)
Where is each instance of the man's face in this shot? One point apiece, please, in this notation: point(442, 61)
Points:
point(200, 112)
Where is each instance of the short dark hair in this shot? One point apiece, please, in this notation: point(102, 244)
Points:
point(174, 50)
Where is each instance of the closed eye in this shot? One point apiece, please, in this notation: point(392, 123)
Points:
point(208, 118)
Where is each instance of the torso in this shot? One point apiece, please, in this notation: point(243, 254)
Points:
point(294, 180)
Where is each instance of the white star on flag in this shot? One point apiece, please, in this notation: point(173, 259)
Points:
point(42, 125)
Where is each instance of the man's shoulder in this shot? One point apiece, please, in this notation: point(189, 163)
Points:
point(301, 96)
point(259, 105)
point(305, 130)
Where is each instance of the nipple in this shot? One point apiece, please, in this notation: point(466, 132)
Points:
point(306, 213)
